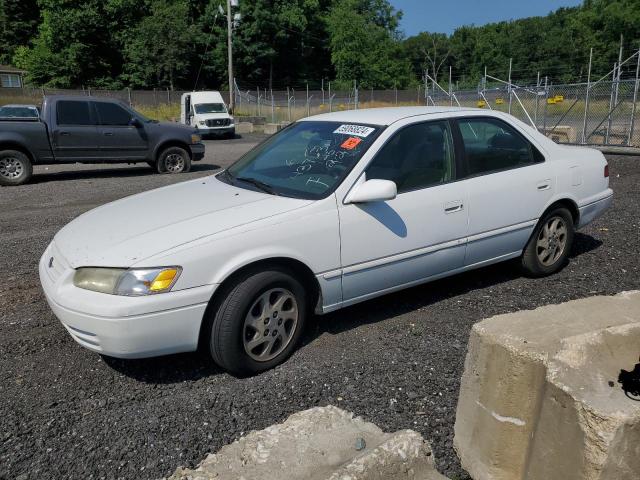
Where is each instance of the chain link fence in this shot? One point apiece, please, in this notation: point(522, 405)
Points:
point(600, 113)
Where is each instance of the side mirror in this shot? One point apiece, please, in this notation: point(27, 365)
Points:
point(374, 190)
point(134, 122)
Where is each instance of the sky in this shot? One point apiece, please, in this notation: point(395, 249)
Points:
point(445, 16)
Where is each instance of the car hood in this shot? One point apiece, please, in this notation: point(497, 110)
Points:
point(127, 231)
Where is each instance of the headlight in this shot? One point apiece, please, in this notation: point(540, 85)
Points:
point(128, 282)
point(202, 122)
point(195, 138)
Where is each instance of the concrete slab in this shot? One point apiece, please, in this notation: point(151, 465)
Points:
point(244, 127)
point(271, 128)
point(323, 443)
point(540, 398)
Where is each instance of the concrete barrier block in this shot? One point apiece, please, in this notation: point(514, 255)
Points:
point(320, 443)
point(540, 397)
point(244, 127)
point(271, 128)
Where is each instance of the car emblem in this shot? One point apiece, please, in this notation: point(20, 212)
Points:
point(51, 262)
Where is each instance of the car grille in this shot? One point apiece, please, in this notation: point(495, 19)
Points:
point(218, 122)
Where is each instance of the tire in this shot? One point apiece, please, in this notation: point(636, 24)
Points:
point(231, 135)
point(550, 244)
point(15, 168)
point(247, 315)
point(173, 160)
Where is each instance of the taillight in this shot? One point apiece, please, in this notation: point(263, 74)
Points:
point(606, 171)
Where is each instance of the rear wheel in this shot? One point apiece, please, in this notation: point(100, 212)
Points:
point(258, 323)
point(15, 168)
point(173, 160)
point(550, 244)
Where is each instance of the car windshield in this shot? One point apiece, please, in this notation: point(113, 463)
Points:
point(18, 112)
point(210, 108)
point(307, 160)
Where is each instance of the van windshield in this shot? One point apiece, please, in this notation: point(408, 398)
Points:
point(307, 160)
point(210, 108)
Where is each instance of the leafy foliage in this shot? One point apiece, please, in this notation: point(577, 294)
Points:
point(279, 43)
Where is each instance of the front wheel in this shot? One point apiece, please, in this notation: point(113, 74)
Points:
point(173, 160)
point(258, 323)
point(550, 244)
point(15, 168)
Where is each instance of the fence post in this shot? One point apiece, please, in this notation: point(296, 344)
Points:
point(129, 96)
point(288, 105)
point(586, 100)
point(258, 100)
point(355, 94)
point(308, 106)
point(322, 88)
point(273, 108)
point(450, 87)
point(546, 97)
point(613, 88)
point(395, 89)
point(635, 99)
point(510, 96)
point(535, 115)
point(168, 97)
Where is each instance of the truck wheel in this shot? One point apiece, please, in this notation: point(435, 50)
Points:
point(174, 160)
point(258, 322)
point(15, 168)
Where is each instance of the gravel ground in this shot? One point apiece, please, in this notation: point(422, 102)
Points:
point(396, 360)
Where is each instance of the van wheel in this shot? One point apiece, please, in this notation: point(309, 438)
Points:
point(173, 160)
point(15, 168)
point(258, 322)
point(550, 244)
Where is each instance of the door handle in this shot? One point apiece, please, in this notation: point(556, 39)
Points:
point(452, 207)
point(64, 134)
point(108, 134)
point(544, 185)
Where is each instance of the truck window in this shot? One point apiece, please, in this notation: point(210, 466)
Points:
point(112, 114)
point(73, 112)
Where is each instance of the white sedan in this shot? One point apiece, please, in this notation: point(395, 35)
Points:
point(333, 210)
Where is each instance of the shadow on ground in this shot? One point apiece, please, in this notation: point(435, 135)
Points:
point(101, 173)
point(193, 366)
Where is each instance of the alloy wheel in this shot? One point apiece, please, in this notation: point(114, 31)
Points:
point(552, 241)
point(270, 324)
point(11, 168)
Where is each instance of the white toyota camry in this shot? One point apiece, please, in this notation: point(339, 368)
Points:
point(333, 210)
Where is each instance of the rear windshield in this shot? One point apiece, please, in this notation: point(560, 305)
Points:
point(210, 108)
point(306, 160)
point(18, 112)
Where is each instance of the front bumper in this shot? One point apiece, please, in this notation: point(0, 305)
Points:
point(123, 327)
point(197, 151)
point(203, 130)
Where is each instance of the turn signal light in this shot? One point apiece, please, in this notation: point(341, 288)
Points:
point(163, 280)
point(606, 171)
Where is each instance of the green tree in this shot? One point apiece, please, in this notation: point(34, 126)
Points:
point(363, 36)
point(157, 52)
point(18, 24)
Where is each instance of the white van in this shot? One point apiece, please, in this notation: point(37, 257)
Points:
point(207, 112)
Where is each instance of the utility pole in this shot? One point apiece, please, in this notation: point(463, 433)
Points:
point(230, 53)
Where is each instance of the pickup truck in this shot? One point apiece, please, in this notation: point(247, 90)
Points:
point(85, 129)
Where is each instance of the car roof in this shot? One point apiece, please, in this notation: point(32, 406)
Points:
point(83, 98)
point(388, 115)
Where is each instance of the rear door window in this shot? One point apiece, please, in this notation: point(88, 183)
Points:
point(491, 145)
point(112, 114)
point(74, 112)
